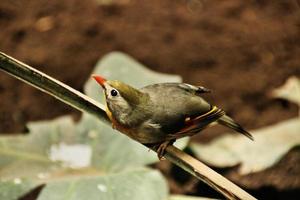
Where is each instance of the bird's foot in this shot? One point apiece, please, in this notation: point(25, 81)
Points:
point(162, 147)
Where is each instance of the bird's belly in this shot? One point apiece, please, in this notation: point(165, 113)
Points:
point(143, 136)
point(145, 133)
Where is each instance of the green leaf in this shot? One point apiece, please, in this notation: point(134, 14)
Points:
point(34, 151)
point(131, 185)
point(24, 160)
point(269, 145)
point(55, 154)
point(13, 189)
point(289, 91)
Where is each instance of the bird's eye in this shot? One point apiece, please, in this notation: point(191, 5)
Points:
point(114, 93)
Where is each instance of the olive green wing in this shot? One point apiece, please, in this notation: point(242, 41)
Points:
point(195, 125)
point(172, 103)
point(177, 86)
point(197, 90)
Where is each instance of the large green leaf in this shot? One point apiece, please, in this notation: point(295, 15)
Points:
point(289, 91)
point(33, 149)
point(15, 188)
point(24, 160)
point(132, 185)
point(269, 145)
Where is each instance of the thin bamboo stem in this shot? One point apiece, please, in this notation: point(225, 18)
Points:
point(84, 103)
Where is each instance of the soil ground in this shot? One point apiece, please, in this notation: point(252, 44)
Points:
point(239, 49)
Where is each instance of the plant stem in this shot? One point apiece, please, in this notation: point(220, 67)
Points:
point(83, 103)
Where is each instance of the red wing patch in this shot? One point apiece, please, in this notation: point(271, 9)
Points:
point(194, 125)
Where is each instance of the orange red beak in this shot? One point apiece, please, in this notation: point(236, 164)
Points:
point(99, 80)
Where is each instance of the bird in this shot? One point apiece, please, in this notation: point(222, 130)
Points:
point(158, 114)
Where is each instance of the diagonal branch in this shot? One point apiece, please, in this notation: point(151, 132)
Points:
point(84, 103)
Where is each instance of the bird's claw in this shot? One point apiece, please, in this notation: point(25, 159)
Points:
point(162, 148)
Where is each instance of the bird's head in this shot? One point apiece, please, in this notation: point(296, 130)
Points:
point(120, 97)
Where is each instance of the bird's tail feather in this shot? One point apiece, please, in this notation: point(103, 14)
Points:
point(230, 123)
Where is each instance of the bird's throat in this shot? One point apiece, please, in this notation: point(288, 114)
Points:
point(109, 114)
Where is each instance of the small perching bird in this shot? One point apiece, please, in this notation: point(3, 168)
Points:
point(159, 114)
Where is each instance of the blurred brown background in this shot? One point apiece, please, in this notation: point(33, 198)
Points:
point(239, 49)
